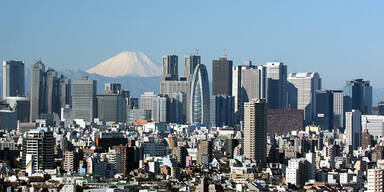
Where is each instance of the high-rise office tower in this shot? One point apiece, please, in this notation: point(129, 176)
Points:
point(221, 110)
point(199, 100)
point(51, 92)
point(184, 86)
point(277, 83)
point(304, 86)
point(161, 109)
point(253, 83)
point(111, 107)
point(353, 128)
point(169, 86)
point(39, 143)
point(65, 93)
point(13, 79)
point(381, 108)
point(222, 76)
point(338, 108)
point(170, 67)
point(146, 100)
point(236, 88)
point(255, 130)
point(112, 88)
point(358, 95)
point(190, 63)
point(37, 88)
point(324, 110)
point(84, 102)
point(177, 107)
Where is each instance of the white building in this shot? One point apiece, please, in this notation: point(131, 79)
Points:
point(293, 174)
point(302, 91)
point(375, 180)
point(374, 124)
point(353, 128)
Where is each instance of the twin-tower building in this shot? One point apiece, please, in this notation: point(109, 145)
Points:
point(193, 88)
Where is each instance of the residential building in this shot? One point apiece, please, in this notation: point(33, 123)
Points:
point(255, 130)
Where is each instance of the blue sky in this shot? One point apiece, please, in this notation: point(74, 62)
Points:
point(339, 39)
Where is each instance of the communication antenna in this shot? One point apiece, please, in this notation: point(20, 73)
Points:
point(225, 53)
point(197, 51)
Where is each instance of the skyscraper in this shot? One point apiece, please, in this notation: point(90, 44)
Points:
point(171, 84)
point(358, 95)
point(190, 63)
point(65, 93)
point(13, 79)
point(51, 92)
point(112, 88)
point(170, 67)
point(338, 108)
point(171, 87)
point(221, 110)
point(324, 109)
point(277, 83)
point(161, 109)
point(253, 83)
point(304, 85)
point(236, 88)
point(255, 130)
point(353, 128)
point(381, 108)
point(111, 107)
point(146, 100)
point(199, 101)
point(48, 92)
point(177, 110)
point(84, 103)
point(37, 88)
point(222, 76)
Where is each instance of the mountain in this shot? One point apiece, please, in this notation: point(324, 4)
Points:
point(127, 64)
point(135, 84)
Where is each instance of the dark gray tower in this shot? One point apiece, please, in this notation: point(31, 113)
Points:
point(324, 109)
point(222, 76)
point(65, 94)
point(190, 63)
point(358, 95)
point(51, 92)
point(277, 85)
point(170, 67)
point(13, 79)
point(37, 85)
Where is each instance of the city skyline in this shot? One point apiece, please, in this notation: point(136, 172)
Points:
point(199, 96)
point(297, 33)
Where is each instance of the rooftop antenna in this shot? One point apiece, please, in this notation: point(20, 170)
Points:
point(225, 53)
point(197, 51)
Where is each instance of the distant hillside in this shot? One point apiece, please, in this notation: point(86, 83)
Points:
point(136, 85)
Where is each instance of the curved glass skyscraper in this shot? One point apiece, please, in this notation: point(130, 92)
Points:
point(199, 108)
